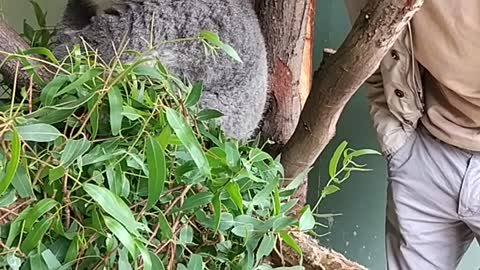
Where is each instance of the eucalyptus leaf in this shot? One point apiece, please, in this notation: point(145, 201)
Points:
point(12, 163)
point(114, 206)
point(116, 108)
point(307, 220)
point(195, 263)
point(74, 149)
point(36, 133)
point(122, 234)
point(185, 134)
point(157, 170)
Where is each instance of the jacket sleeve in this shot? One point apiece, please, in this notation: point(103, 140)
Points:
point(384, 122)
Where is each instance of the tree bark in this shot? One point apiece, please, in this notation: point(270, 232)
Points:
point(288, 29)
point(11, 42)
point(372, 35)
point(340, 76)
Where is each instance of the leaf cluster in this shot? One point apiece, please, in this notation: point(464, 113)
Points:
point(115, 166)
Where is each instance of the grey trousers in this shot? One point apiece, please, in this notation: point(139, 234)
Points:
point(433, 204)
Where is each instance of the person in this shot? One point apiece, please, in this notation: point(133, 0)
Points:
point(425, 105)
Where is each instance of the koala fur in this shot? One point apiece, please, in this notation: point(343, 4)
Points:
point(238, 90)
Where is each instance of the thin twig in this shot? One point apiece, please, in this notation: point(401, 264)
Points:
point(184, 192)
point(66, 199)
point(16, 208)
point(105, 258)
point(30, 95)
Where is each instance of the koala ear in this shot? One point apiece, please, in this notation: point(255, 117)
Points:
point(78, 13)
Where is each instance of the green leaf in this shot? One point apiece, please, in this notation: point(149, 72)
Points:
point(256, 155)
point(298, 180)
point(276, 202)
point(94, 118)
point(116, 107)
point(157, 169)
point(208, 114)
point(56, 173)
point(74, 149)
point(7, 198)
point(36, 262)
point(72, 251)
point(48, 93)
point(243, 230)
point(263, 194)
point(12, 163)
point(186, 236)
point(165, 228)
point(197, 200)
point(307, 221)
point(35, 236)
point(147, 261)
point(157, 264)
point(233, 190)
point(194, 95)
point(329, 190)
point(195, 263)
point(363, 152)
point(130, 113)
point(13, 232)
point(85, 77)
point(22, 183)
point(50, 260)
point(185, 134)
point(39, 15)
point(288, 206)
point(115, 179)
point(290, 242)
point(39, 210)
point(266, 246)
point(122, 235)
point(217, 208)
point(233, 156)
point(114, 206)
point(42, 51)
point(214, 40)
point(28, 31)
point(13, 261)
point(36, 133)
point(332, 168)
point(231, 52)
point(282, 223)
point(123, 263)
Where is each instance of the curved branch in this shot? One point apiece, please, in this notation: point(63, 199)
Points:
point(373, 34)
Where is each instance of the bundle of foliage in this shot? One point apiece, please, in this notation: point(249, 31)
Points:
point(114, 166)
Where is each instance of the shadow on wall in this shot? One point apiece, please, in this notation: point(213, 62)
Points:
point(359, 231)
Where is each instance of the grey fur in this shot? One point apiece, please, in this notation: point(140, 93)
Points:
point(238, 90)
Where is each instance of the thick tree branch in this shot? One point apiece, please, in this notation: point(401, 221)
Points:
point(373, 33)
point(288, 28)
point(11, 42)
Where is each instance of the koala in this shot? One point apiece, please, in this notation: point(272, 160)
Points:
point(239, 90)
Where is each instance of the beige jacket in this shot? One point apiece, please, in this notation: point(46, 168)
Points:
point(395, 91)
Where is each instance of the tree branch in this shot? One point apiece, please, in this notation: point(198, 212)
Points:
point(373, 34)
point(11, 42)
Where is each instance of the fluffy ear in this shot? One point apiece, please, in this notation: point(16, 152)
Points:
point(78, 13)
